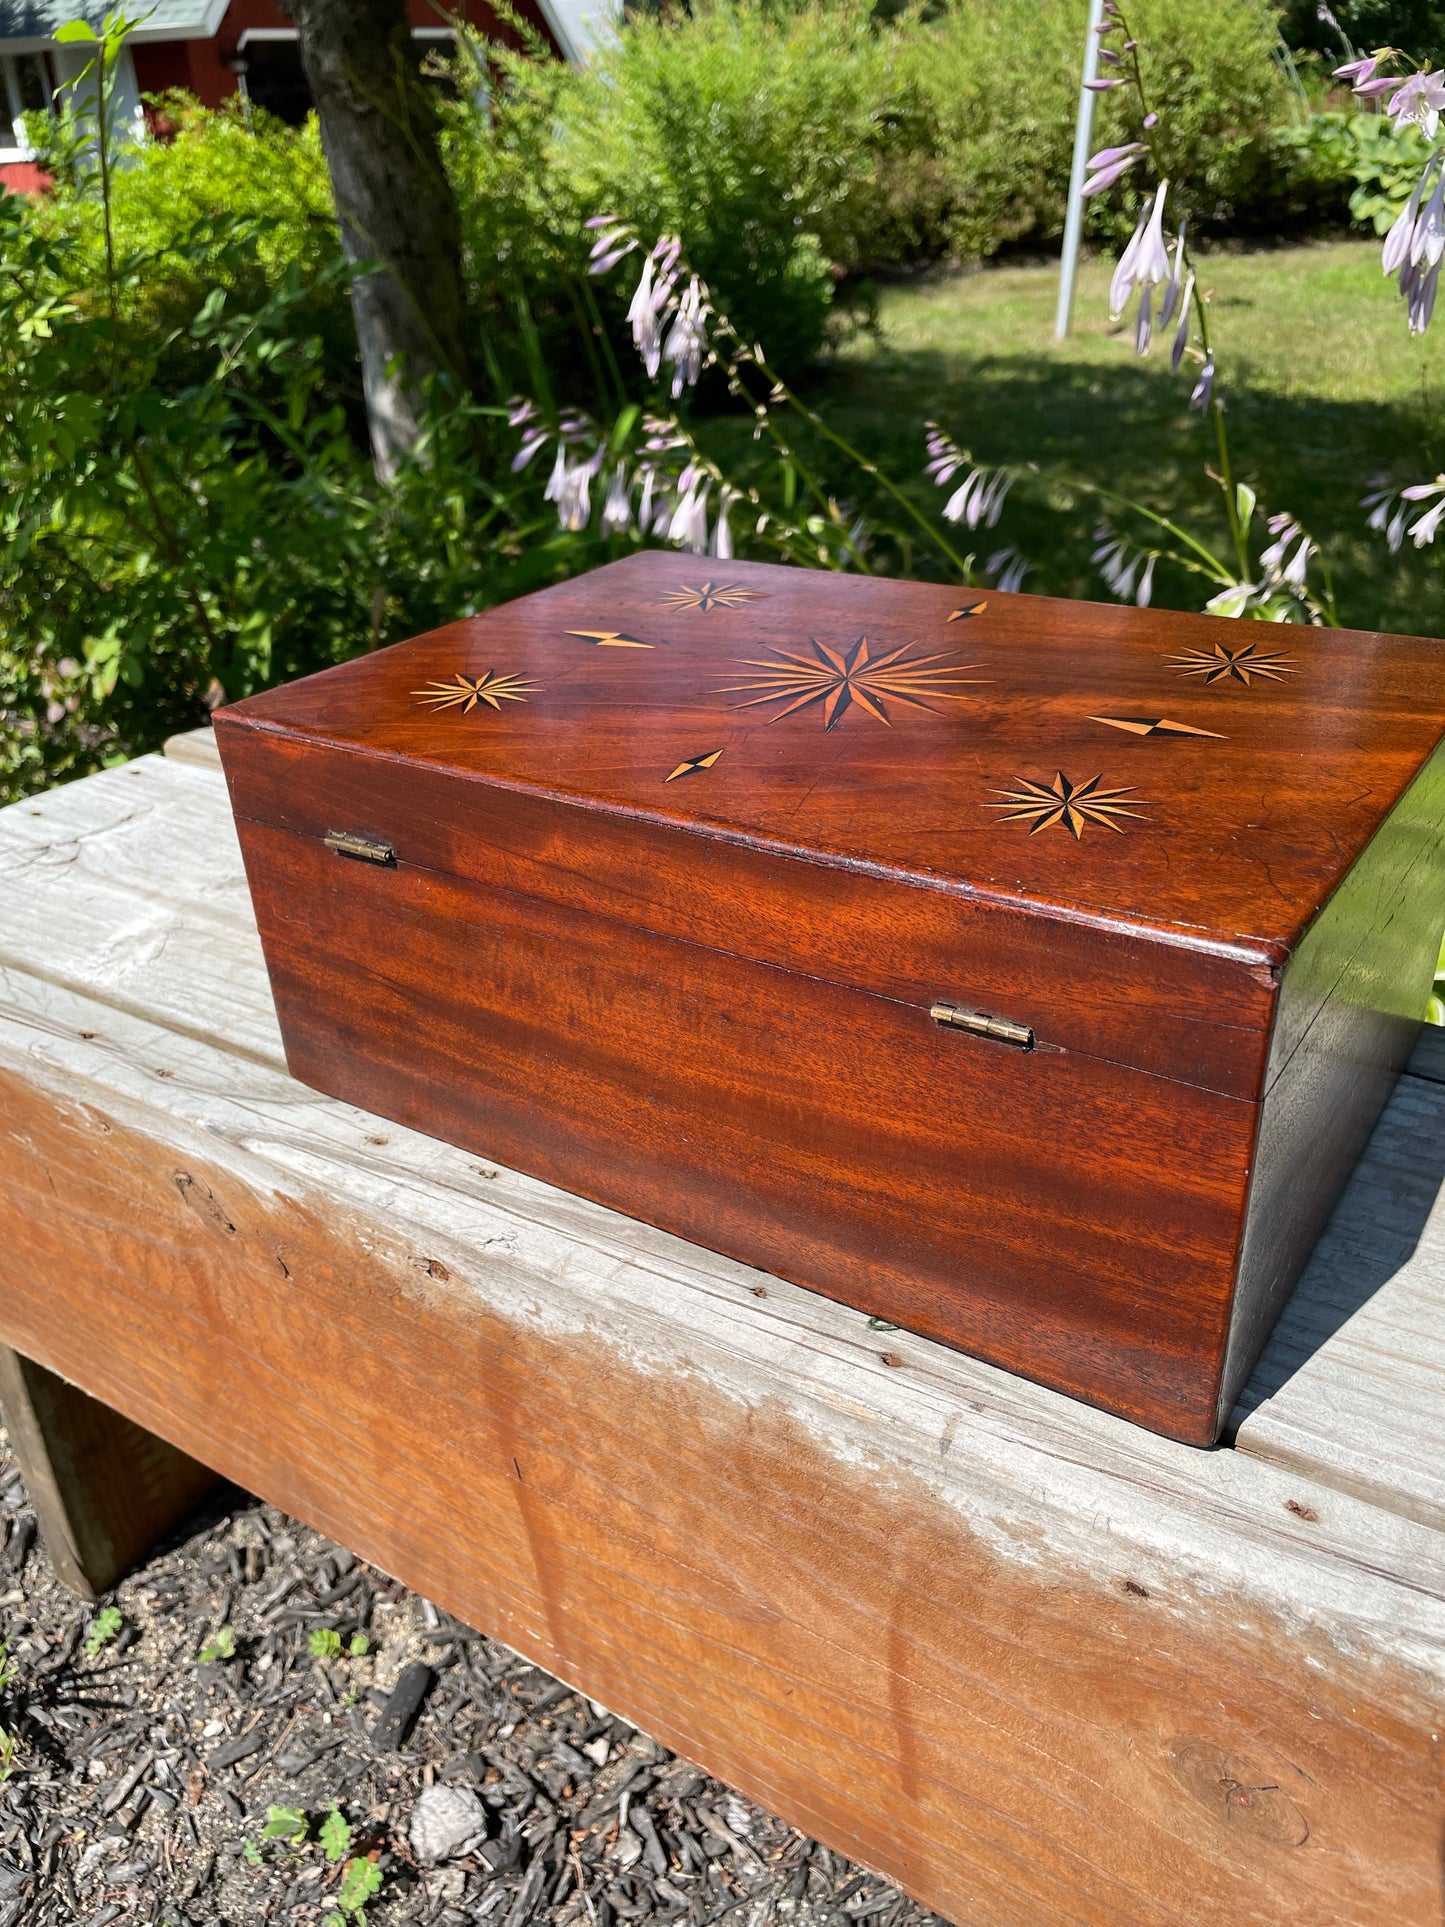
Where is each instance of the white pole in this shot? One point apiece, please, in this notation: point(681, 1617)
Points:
point(1083, 141)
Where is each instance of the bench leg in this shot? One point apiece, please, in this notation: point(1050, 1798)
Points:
point(104, 1490)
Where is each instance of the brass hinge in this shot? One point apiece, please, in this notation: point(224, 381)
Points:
point(1002, 1030)
point(366, 849)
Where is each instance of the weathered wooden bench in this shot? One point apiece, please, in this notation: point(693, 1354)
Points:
point(1042, 1668)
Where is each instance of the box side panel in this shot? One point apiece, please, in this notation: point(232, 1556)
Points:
point(1351, 1005)
point(1194, 1012)
point(1020, 1205)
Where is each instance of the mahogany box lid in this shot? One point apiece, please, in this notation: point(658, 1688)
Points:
point(895, 785)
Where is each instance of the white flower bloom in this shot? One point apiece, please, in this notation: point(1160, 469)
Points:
point(1232, 601)
point(1419, 286)
point(687, 338)
point(688, 527)
point(1295, 569)
point(1424, 531)
point(1401, 237)
point(1145, 261)
point(651, 300)
point(554, 487)
point(722, 536)
point(617, 509)
point(1008, 569)
point(1419, 99)
point(979, 502)
point(1427, 243)
point(574, 499)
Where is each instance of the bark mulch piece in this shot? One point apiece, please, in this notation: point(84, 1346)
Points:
point(240, 1734)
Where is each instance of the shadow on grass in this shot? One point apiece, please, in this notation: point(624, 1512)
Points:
point(1127, 428)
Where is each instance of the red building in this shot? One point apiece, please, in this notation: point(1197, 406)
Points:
point(215, 49)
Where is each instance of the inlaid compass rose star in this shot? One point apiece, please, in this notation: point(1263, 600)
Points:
point(465, 692)
point(838, 678)
point(1074, 805)
point(1224, 664)
point(713, 595)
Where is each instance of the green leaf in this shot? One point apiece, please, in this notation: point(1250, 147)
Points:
point(623, 427)
point(1244, 501)
point(252, 1852)
point(75, 30)
point(335, 1835)
point(324, 1643)
point(221, 1645)
point(103, 1629)
point(360, 1882)
point(285, 1823)
point(360, 1646)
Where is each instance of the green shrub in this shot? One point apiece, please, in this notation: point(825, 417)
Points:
point(165, 544)
point(1380, 158)
point(1002, 77)
point(211, 169)
point(759, 135)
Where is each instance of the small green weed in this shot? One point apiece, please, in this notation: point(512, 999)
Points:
point(360, 1882)
point(335, 1834)
point(9, 1740)
point(220, 1646)
point(286, 1823)
point(324, 1644)
point(103, 1629)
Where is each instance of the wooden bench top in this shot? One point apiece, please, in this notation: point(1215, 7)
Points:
point(1037, 1665)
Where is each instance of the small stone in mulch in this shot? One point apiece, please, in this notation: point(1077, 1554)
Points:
point(446, 1821)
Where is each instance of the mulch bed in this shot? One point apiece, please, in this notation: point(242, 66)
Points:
point(149, 1762)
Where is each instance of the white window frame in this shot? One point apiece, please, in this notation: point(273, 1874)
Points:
point(13, 144)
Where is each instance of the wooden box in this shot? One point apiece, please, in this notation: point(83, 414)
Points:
point(1025, 973)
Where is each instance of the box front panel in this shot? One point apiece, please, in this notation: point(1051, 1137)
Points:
point(1068, 1218)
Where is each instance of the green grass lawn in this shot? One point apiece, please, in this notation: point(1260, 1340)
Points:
point(1325, 390)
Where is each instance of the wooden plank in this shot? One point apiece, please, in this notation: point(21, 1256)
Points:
point(1351, 1387)
point(1041, 1667)
point(104, 1490)
point(196, 746)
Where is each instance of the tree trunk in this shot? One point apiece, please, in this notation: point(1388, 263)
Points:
point(379, 130)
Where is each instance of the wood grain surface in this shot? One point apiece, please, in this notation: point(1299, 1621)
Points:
point(675, 877)
point(1044, 1668)
point(1240, 835)
point(104, 1490)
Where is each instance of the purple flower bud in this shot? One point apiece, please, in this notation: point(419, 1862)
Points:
point(1151, 120)
point(1204, 388)
point(1355, 71)
point(1373, 89)
point(1106, 178)
point(1106, 156)
point(1103, 86)
point(534, 439)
